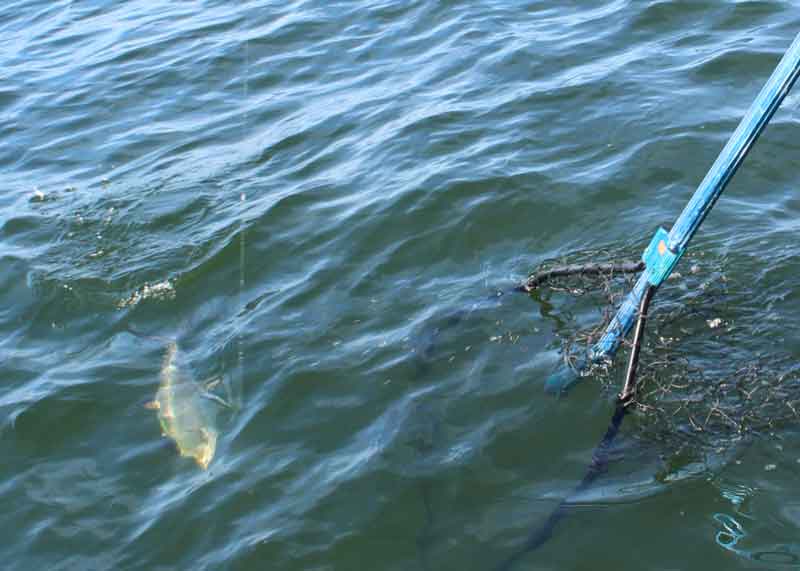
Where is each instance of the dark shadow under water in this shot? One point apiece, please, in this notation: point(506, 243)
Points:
point(598, 466)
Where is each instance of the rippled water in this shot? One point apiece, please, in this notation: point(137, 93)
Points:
point(318, 201)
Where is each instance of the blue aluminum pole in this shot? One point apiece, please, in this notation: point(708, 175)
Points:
point(666, 248)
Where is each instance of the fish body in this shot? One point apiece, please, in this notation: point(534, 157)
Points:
point(184, 413)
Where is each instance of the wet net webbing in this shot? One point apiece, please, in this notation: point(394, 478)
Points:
point(711, 371)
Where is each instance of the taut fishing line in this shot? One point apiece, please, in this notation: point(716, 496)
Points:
point(241, 228)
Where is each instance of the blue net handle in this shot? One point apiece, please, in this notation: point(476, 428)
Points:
point(666, 249)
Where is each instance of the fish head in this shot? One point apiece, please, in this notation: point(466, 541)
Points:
point(203, 451)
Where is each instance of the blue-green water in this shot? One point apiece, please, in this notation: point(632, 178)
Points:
point(315, 200)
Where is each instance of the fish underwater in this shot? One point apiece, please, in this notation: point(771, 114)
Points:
point(184, 411)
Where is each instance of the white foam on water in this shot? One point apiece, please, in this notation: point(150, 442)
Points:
point(164, 290)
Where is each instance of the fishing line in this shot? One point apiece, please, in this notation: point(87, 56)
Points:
point(241, 229)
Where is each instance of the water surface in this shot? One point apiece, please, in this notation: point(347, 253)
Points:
point(316, 201)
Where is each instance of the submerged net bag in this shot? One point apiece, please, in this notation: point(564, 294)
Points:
point(705, 379)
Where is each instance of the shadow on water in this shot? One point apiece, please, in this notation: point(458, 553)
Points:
point(598, 466)
point(426, 433)
point(424, 438)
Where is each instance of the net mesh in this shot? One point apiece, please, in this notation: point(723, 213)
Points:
point(705, 378)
